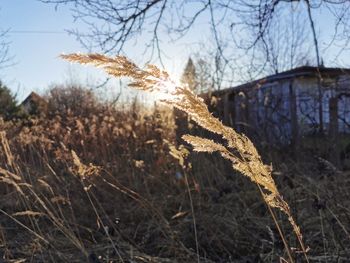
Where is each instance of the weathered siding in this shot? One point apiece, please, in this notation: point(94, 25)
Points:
point(283, 110)
point(344, 113)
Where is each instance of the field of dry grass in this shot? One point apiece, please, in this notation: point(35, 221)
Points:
point(108, 185)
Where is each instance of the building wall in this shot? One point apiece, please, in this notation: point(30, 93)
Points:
point(273, 112)
point(343, 92)
point(283, 110)
point(344, 114)
point(308, 105)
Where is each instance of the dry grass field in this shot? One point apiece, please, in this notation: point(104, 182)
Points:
point(113, 185)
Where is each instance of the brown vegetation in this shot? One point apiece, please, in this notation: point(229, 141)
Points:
point(110, 186)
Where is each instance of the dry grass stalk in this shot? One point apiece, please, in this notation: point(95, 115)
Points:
point(6, 148)
point(239, 150)
point(28, 213)
point(81, 169)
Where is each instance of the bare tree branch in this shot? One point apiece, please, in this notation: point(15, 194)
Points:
point(5, 58)
point(249, 23)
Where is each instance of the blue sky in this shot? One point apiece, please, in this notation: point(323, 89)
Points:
point(37, 65)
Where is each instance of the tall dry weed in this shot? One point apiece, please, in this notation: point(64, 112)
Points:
point(238, 149)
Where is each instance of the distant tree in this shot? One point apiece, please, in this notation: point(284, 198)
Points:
point(204, 75)
point(212, 70)
point(286, 43)
point(189, 76)
point(74, 98)
point(8, 103)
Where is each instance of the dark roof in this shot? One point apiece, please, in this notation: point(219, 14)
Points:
point(33, 97)
point(304, 71)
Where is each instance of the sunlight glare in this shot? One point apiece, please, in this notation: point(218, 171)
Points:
point(165, 89)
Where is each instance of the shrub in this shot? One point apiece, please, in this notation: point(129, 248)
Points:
point(8, 103)
point(75, 99)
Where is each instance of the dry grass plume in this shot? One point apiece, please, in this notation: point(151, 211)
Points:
point(238, 149)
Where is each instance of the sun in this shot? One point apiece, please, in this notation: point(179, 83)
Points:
point(165, 89)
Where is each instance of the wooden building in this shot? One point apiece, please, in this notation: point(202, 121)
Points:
point(34, 105)
point(283, 107)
